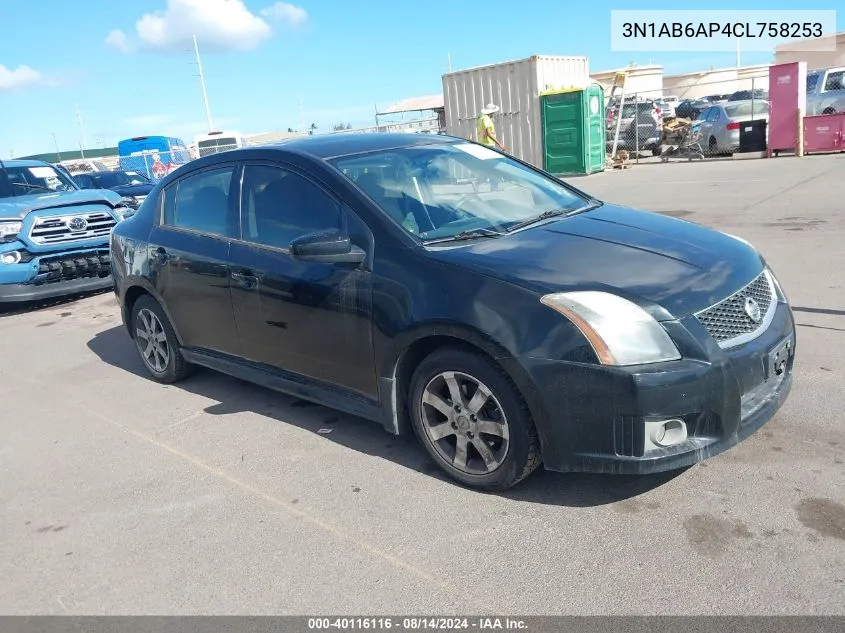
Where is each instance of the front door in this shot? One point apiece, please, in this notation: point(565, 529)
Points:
point(311, 319)
point(189, 252)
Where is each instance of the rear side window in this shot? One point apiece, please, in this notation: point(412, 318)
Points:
point(835, 80)
point(201, 203)
point(812, 82)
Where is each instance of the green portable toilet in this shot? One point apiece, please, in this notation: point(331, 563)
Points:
point(573, 130)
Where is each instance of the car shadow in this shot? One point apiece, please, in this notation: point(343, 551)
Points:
point(114, 347)
point(25, 307)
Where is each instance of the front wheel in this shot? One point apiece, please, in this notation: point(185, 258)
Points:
point(472, 420)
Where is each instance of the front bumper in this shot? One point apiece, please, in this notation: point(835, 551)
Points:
point(51, 275)
point(595, 419)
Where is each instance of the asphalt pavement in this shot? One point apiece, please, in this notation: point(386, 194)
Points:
point(122, 496)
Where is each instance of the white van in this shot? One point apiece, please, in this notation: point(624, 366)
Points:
point(215, 142)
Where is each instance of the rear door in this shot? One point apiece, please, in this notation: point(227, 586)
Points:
point(189, 253)
point(308, 318)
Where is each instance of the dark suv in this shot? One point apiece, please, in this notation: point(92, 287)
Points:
point(434, 284)
point(639, 129)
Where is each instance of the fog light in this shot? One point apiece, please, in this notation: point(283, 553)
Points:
point(668, 433)
point(10, 258)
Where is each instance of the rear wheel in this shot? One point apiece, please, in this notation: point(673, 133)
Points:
point(472, 420)
point(157, 343)
point(712, 146)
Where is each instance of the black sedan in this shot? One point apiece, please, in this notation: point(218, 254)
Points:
point(432, 284)
point(134, 187)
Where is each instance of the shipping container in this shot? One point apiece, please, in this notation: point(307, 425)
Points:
point(515, 87)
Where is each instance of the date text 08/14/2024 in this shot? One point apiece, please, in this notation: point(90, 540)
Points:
point(716, 29)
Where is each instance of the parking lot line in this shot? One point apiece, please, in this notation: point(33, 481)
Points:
point(257, 492)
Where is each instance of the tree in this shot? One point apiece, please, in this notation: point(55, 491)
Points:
point(290, 129)
point(339, 127)
point(311, 129)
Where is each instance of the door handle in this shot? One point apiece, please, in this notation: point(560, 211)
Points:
point(245, 278)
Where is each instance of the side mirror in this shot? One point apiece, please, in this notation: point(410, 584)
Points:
point(330, 247)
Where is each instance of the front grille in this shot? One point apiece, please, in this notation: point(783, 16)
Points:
point(71, 228)
point(93, 263)
point(729, 323)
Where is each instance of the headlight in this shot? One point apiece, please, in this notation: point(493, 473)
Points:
point(9, 231)
point(620, 332)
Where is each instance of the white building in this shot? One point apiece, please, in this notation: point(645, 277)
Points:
point(788, 53)
point(717, 81)
point(642, 81)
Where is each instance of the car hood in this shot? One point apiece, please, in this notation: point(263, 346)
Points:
point(672, 267)
point(133, 190)
point(18, 207)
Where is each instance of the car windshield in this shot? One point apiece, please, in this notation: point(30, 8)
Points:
point(442, 190)
point(747, 109)
point(109, 179)
point(630, 109)
point(26, 181)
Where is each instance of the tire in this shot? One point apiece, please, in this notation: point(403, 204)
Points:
point(712, 147)
point(164, 361)
point(513, 447)
point(657, 150)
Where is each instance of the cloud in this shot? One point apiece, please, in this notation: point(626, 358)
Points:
point(285, 12)
point(19, 77)
point(117, 39)
point(220, 25)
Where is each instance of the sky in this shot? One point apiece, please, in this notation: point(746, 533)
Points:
point(127, 68)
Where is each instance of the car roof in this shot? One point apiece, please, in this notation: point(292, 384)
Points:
point(327, 146)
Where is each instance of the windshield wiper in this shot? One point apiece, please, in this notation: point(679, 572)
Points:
point(553, 213)
point(545, 215)
point(31, 186)
point(466, 235)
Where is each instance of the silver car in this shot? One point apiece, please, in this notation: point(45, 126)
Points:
point(826, 91)
point(720, 123)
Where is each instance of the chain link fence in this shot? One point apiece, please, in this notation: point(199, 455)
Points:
point(695, 120)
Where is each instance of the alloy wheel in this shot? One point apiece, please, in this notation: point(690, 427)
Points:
point(152, 341)
point(465, 423)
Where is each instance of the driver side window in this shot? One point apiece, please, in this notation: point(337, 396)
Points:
point(280, 206)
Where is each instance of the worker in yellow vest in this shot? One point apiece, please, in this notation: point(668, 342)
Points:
point(485, 128)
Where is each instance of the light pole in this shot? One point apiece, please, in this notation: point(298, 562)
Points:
point(56, 143)
point(82, 131)
point(202, 83)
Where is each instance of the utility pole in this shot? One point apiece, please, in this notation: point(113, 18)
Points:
point(84, 142)
point(202, 83)
point(738, 63)
point(56, 143)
